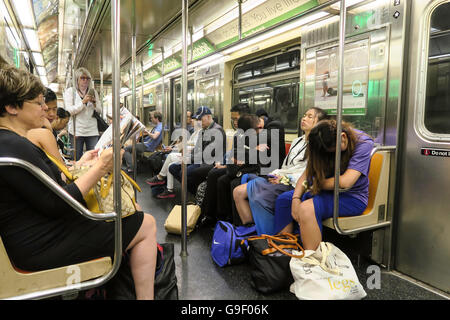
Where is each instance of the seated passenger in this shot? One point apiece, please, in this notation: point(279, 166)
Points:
point(310, 208)
point(164, 177)
point(150, 142)
point(60, 129)
point(39, 229)
point(209, 148)
point(45, 137)
point(255, 200)
point(275, 126)
point(213, 207)
point(223, 179)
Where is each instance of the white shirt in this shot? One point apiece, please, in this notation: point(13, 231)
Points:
point(85, 124)
point(295, 163)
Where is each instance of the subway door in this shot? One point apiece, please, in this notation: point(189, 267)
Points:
point(423, 224)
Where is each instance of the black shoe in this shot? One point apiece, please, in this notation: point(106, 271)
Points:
point(206, 221)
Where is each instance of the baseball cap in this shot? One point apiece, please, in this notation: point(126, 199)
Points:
point(201, 111)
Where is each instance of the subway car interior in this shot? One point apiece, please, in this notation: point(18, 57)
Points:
point(381, 65)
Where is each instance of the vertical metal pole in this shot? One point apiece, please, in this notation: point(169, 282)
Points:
point(115, 26)
point(184, 79)
point(337, 171)
point(101, 83)
point(191, 32)
point(163, 98)
point(133, 85)
point(74, 96)
point(142, 91)
point(240, 19)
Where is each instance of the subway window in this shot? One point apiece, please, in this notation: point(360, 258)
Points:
point(271, 83)
point(437, 102)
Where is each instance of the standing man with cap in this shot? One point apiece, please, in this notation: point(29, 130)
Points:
point(209, 148)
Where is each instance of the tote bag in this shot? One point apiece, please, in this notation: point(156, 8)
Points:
point(325, 274)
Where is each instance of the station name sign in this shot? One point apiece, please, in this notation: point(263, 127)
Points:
point(435, 152)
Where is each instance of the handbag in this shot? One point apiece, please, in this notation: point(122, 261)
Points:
point(101, 123)
point(269, 257)
point(173, 221)
point(100, 198)
point(121, 286)
point(325, 274)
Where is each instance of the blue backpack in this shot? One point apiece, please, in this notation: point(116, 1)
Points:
point(226, 246)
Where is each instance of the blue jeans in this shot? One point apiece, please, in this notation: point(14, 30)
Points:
point(90, 143)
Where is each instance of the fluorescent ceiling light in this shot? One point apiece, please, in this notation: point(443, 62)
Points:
point(44, 80)
point(213, 59)
point(25, 13)
point(54, 86)
point(232, 15)
point(32, 39)
point(198, 35)
point(348, 3)
point(319, 24)
point(37, 56)
point(277, 31)
point(41, 71)
point(4, 13)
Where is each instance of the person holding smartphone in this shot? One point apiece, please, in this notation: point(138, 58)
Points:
point(81, 102)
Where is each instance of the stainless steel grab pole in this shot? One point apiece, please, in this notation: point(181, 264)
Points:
point(184, 84)
point(133, 87)
point(115, 27)
point(337, 161)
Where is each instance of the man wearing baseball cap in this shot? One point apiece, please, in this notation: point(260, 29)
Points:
point(210, 147)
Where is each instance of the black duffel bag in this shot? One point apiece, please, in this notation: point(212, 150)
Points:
point(269, 257)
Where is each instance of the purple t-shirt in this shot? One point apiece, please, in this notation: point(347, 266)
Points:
point(360, 161)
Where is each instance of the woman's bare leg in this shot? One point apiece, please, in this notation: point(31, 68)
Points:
point(143, 258)
point(242, 206)
point(309, 229)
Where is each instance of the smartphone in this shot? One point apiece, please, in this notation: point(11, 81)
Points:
point(91, 92)
point(163, 146)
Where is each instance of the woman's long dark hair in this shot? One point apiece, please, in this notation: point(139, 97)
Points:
point(322, 149)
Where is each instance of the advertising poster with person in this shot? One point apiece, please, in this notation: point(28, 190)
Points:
point(356, 71)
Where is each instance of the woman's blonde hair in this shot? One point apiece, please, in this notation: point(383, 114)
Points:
point(83, 72)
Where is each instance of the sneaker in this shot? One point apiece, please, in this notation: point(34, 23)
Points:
point(154, 181)
point(166, 194)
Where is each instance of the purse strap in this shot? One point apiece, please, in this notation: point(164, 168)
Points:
point(70, 176)
point(288, 240)
point(60, 166)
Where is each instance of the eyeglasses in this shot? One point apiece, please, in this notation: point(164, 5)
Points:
point(39, 103)
point(85, 78)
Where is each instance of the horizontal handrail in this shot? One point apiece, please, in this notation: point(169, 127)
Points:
point(366, 228)
point(49, 182)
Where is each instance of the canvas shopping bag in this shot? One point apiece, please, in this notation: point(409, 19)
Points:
point(325, 274)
